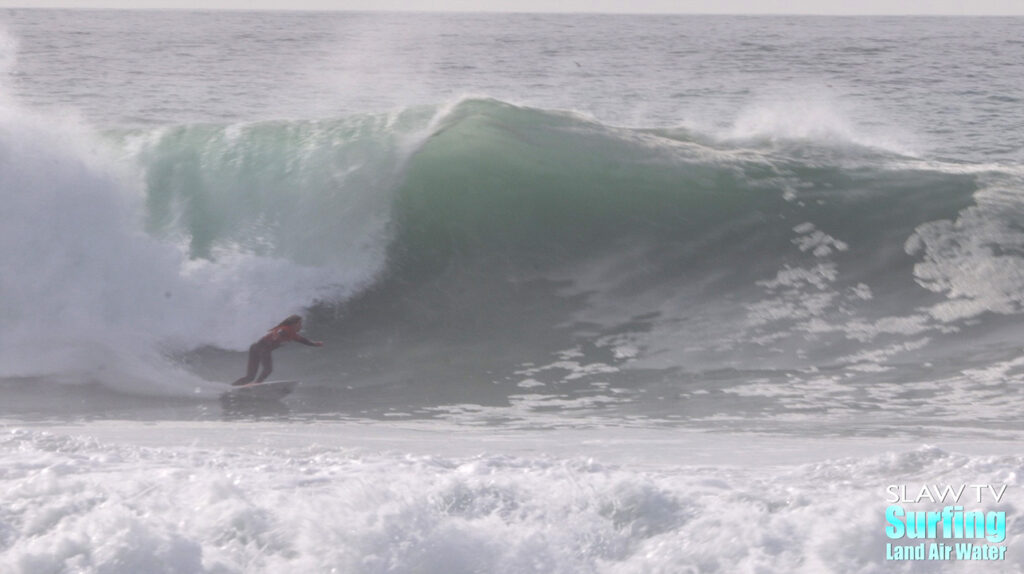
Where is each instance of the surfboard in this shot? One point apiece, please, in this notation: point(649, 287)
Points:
point(267, 390)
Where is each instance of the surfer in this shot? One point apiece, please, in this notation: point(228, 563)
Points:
point(259, 352)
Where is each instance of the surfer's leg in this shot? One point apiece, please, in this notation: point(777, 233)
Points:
point(268, 365)
point(254, 363)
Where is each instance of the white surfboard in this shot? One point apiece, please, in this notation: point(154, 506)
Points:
point(267, 390)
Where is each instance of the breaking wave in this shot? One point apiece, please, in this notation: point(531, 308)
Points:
point(454, 247)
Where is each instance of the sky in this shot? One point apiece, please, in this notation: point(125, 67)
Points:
point(854, 7)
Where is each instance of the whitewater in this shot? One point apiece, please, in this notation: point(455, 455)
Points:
point(598, 293)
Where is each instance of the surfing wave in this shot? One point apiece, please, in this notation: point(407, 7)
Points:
point(525, 246)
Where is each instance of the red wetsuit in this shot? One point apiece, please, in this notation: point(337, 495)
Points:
point(282, 334)
point(259, 352)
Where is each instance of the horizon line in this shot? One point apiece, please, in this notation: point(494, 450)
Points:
point(512, 12)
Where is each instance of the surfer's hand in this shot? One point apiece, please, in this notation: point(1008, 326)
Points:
point(318, 343)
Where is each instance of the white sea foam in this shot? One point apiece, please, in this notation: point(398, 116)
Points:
point(974, 259)
point(77, 504)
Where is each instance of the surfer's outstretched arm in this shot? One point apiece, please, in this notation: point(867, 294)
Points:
point(305, 341)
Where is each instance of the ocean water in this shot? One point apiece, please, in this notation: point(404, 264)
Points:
point(673, 294)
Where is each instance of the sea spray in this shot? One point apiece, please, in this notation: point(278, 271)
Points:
point(89, 295)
